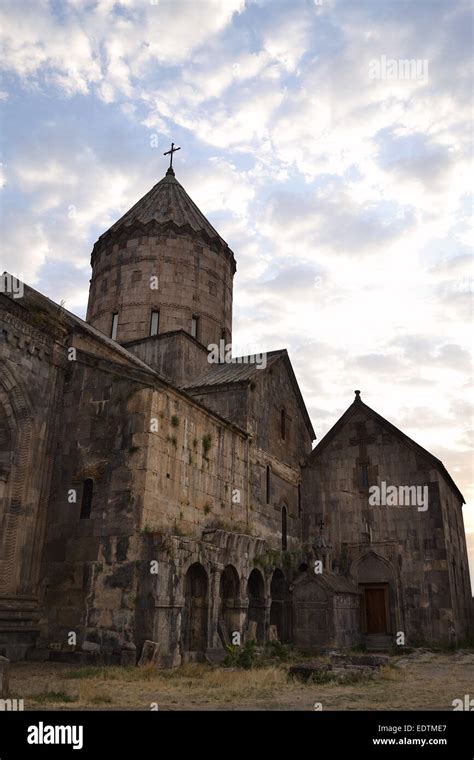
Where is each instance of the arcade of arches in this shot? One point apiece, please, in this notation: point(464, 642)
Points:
point(247, 606)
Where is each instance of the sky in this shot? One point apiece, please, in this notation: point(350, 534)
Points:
point(328, 142)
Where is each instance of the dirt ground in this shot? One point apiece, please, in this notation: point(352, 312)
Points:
point(422, 680)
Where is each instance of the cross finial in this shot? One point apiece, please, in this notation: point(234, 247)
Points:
point(170, 154)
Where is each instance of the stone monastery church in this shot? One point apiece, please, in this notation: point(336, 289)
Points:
point(147, 493)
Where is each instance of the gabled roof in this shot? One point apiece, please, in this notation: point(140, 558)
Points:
point(358, 405)
point(338, 584)
point(244, 369)
point(167, 204)
point(241, 369)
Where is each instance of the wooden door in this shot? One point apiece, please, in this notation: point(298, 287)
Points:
point(375, 610)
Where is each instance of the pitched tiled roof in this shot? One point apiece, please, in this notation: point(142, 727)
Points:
point(242, 370)
point(238, 371)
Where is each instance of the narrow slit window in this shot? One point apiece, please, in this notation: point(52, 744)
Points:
point(86, 504)
point(155, 322)
point(364, 476)
point(195, 327)
point(113, 332)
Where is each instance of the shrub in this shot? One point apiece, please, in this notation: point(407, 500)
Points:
point(277, 650)
point(241, 657)
point(206, 445)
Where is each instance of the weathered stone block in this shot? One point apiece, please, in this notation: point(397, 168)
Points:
point(150, 653)
point(128, 655)
point(89, 646)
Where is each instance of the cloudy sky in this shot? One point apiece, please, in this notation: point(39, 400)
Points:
point(337, 171)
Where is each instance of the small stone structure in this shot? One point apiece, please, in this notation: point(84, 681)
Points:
point(326, 611)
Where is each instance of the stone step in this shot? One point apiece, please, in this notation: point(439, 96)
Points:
point(216, 655)
point(193, 657)
point(376, 642)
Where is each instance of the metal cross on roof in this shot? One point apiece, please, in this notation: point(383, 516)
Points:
point(170, 154)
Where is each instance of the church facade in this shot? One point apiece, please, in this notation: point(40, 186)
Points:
point(148, 493)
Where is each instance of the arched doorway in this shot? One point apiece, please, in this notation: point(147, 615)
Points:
point(375, 578)
point(256, 595)
point(229, 613)
point(279, 607)
point(19, 552)
point(195, 611)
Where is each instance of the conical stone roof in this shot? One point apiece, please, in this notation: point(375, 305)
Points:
point(167, 204)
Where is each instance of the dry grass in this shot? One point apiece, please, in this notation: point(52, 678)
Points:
point(431, 683)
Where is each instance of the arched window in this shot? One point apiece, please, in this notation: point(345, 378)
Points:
point(268, 485)
point(284, 529)
point(283, 424)
point(86, 504)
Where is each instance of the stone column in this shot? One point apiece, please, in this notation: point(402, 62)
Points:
point(213, 638)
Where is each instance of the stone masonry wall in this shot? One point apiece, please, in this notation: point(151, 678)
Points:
point(82, 554)
point(176, 356)
point(193, 280)
point(272, 393)
point(30, 384)
point(193, 470)
point(411, 543)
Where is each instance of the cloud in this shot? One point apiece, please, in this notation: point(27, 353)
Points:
point(106, 45)
point(346, 199)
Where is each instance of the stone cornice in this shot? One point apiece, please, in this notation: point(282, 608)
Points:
point(154, 229)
